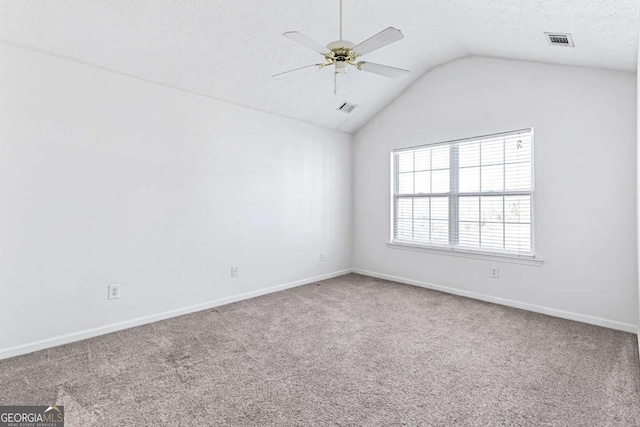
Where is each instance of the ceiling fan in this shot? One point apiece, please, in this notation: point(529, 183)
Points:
point(342, 53)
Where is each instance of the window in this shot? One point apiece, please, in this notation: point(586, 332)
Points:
point(474, 194)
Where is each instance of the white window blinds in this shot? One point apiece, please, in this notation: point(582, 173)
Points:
point(474, 194)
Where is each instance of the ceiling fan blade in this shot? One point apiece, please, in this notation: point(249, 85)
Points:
point(306, 41)
point(288, 73)
point(383, 38)
point(383, 70)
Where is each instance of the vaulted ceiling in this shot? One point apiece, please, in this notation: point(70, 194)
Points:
point(229, 49)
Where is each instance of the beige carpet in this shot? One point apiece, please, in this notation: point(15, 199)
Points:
point(347, 351)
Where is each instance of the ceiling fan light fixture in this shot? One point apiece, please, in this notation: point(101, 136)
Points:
point(341, 67)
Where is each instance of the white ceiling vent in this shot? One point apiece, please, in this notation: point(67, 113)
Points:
point(346, 107)
point(560, 39)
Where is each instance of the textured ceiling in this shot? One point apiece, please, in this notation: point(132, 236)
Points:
point(229, 49)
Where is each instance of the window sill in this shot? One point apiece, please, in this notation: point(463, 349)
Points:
point(491, 256)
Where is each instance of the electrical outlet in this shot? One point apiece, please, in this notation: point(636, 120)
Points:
point(114, 292)
point(322, 256)
point(494, 272)
point(234, 271)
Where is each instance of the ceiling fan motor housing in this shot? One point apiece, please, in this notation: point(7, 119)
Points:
point(341, 52)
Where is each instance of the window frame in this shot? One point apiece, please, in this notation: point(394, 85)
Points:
point(455, 249)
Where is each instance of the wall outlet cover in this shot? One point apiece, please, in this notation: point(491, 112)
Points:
point(114, 292)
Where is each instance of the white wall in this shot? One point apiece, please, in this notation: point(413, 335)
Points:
point(585, 160)
point(109, 179)
point(638, 177)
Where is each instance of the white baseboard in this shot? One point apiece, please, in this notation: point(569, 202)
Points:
point(89, 333)
point(611, 324)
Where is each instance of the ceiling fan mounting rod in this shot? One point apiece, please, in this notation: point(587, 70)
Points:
point(340, 20)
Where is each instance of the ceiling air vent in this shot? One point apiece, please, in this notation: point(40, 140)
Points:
point(346, 107)
point(560, 39)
